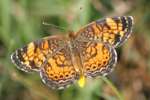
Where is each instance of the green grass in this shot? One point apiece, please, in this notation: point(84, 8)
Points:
point(21, 22)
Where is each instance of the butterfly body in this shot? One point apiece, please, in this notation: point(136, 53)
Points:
point(90, 52)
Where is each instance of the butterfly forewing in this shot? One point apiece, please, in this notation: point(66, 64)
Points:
point(31, 57)
point(112, 30)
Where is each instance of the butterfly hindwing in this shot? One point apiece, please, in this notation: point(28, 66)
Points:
point(58, 71)
point(97, 58)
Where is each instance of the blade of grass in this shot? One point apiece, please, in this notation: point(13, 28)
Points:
point(5, 21)
point(116, 91)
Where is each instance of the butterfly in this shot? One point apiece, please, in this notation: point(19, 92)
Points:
point(90, 52)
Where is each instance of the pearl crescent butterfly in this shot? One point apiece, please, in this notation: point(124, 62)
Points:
point(90, 52)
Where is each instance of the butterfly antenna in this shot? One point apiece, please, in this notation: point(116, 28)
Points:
point(55, 26)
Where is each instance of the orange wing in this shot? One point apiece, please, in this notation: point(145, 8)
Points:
point(31, 57)
point(58, 71)
point(97, 58)
point(113, 30)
